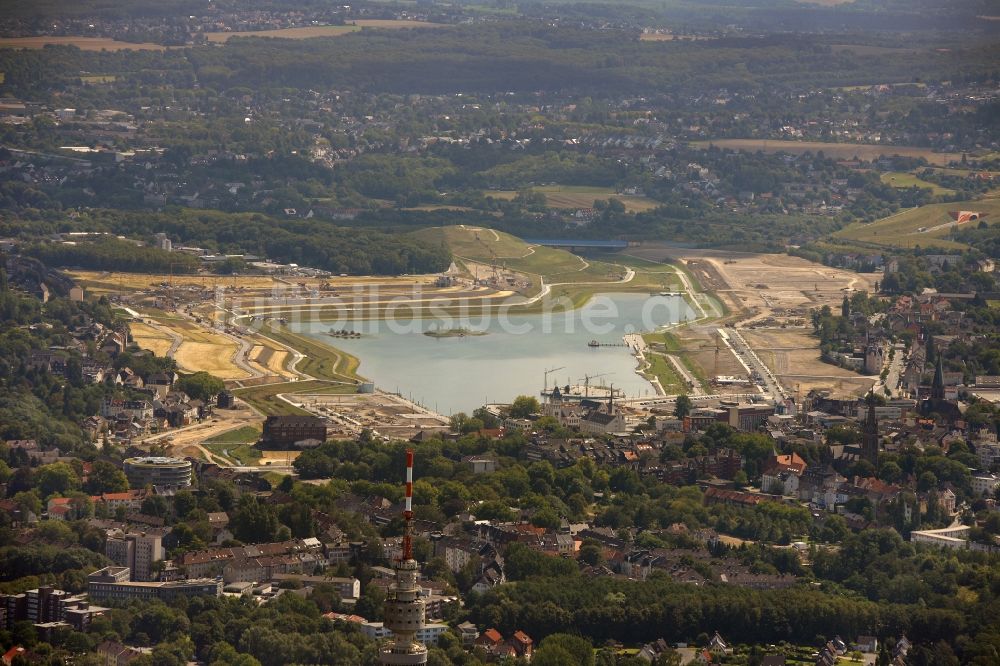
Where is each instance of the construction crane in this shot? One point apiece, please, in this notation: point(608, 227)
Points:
point(547, 372)
point(586, 382)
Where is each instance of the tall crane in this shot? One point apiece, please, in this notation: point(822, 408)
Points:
point(586, 382)
point(547, 372)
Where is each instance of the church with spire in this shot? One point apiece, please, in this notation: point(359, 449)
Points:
point(938, 404)
point(869, 434)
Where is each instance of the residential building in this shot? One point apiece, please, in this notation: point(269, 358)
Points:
point(984, 484)
point(137, 551)
point(46, 605)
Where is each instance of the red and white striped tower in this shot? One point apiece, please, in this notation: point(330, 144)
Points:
point(404, 608)
point(408, 510)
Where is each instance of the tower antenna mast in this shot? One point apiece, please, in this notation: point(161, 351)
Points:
point(408, 511)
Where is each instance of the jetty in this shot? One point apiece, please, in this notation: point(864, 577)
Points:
point(595, 343)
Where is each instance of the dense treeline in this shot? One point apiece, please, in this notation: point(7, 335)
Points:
point(306, 242)
point(507, 56)
point(636, 612)
point(112, 254)
point(523, 56)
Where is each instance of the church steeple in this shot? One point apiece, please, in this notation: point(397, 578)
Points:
point(869, 436)
point(937, 388)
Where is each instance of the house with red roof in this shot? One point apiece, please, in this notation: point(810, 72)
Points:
point(490, 640)
point(522, 644)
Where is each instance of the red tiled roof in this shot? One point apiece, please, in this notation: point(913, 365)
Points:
point(491, 635)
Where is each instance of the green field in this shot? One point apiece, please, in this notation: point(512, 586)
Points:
point(579, 196)
point(662, 369)
point(904, 229)
point(903, 180)
point(240, 454)
point(556, 266)
point(668, 339)
point(265, 398)
point(238, 436)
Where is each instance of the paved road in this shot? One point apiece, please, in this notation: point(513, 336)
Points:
point(769, 385)
point(692, 382)
point(895, 373)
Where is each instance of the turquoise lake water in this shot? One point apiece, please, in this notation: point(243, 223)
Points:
point(462, 373)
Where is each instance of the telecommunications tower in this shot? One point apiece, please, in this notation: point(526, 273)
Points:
point(404, 608)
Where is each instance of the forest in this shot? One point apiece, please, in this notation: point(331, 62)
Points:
point(312, 243)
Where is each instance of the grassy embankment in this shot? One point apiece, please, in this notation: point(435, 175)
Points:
point(663, 370)
point(320, 361)
point(905, 180)
point(903, 230)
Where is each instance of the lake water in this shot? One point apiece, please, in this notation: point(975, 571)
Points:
point(455, 374)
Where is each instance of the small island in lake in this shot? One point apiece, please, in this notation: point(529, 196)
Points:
point(452, 333)
point(343, 333)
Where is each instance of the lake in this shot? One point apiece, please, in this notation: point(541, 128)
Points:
point(452, 374)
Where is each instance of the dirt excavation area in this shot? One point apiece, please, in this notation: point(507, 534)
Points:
point(768, 297)
point(793, 356)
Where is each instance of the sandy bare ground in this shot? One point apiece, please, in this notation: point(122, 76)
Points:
point(762, 285)
point(150, 338)
point(793, 356)
point(769, 298)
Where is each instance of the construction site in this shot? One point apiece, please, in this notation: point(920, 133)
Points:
point(383, 414)
point(768, 298)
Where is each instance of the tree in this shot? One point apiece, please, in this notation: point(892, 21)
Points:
point(489, 420)
point(579, 650)
point(56, 478)
point(591, 554)
point(254, 522)
point(682, 407)
point(200, 386)
point(105, 478)
point(523, 407)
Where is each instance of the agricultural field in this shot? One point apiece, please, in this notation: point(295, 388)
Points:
point(579, 196)
point(926, 226)
point(83, 43)
point(904, 180)
point(843, 151)
point(310, 32)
